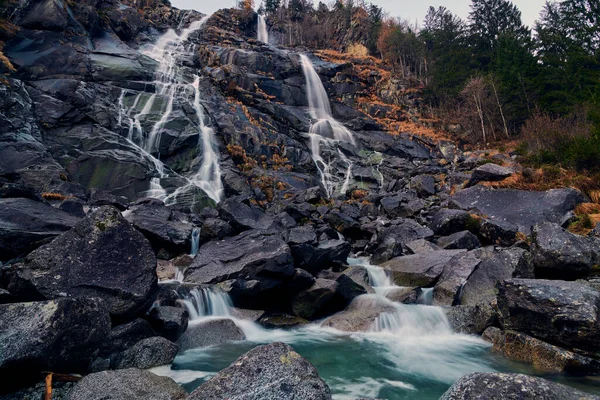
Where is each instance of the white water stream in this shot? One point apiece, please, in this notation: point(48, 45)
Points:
point(262, 34)
point(325, 133)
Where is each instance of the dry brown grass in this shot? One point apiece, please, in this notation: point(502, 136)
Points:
point(55, 196)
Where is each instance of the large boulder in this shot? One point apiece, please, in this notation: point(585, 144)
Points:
point(489, 173)
point(127, 384)
point(472, 320)
point(360, 315)
point(420, 269)
point(26, 224)
point(543, 356)
point(393, 239)
point(103, 257)
point(273, 371)
point(558, 312)
point(169, 322)
point(459, 240)
point(57, 335)
point(480, 288)
point(497, 386)
point(559, 254)
point(243, 216)
point(147, 353)
point(311, 302)
point(250, 255)
point(519, 208)
point(447, 222)
point(210, 333)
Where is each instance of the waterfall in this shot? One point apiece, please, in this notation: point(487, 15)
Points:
point(325, 133)
point(261, 30)
point(195, 242)
point(207, 302)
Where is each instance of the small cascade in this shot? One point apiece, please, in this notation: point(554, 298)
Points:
point(426, 297)
point(261, 30)
point(207, 302)
point(195, 242)
point(326, 133)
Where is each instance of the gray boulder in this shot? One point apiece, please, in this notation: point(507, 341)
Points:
point(360, 314)
point(489, 173)
point(559, 254)
point(243, 216)
point(127, 384)
point(210, 333)
point(58, 335)
point(394, 239)
point(421, 246)
point(520, 208)
point(250, 255)
point(419, 269)
point(497, 386)
point(447, 222)
point(26, 224)
point(103, 257)
point(310, 303)
point(558, 312)
point(169, 322)
point(472, 320)
point(498, 232)
point(270, 372)
point(424, 185)
point(147, 353)
point(459, 240)
point(543, 356)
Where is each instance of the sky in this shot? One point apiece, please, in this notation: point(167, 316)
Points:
point(412, 10)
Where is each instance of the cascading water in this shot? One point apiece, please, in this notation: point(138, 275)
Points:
point(195, 242)
point(325, 132)
point(262, 34)
point(207, 302)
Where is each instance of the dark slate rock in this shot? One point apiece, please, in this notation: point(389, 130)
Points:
point(73, 206)
point(99, 197)
point(26, 224)
point(393, 239)
point(558, 312)
point(210, 333)
point(147, 353)
point(310, 303)
point(214, 228)
point(424, 185)
point(56, 335)
point(480, 288)
point(419, 269)
point(127, 384)
point(497, 386)
point(243, 216)
point(459, 240)
point(559, 254)
point(489, 173)
point(269, 372)
point(519, 208)
point(344, 224)
point(543, 356)
point(169, 322)
point(250, 255)
point(447, 222)
point(102, 257)
point(472, 320)
point(498, 232)
point(281, 321)
point(316, 257)
point(421, 246)
point(124, 336)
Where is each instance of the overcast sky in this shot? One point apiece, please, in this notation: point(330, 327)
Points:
point(413, 10)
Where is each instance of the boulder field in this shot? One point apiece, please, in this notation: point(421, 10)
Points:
point(91, 217)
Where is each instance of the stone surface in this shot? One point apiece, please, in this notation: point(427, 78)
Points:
point(489, 173)
point(557, 312)
point(57, 335)
point(147, 353)
point(169, 322)
point(459, 240)
point(103, 257)
point(270, 372)
point(543, 356)
point(471, 320)
point(210, 333)
point(309, 303)
point(127, 384)
point(497, 386)
point(419, 269)
point(447, 222)
point(360, 314)
point(559, 254)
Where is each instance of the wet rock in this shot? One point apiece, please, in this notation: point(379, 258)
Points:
point(159, 226)
point(281, 321)
point(459, 240)
point(210, 333)
point(252, 255)
point(559, 254)
point(102, 257)
point(405, 295)
point(489, 173)
point(480, 288)
point(309, 303)
point(543, 356)
point(424, 185)
point(447, 222)
point(26, 224)
point(419, 269)
point(519, 208)
point(360, 314)
point(127, 384)
point(57, 335)
point(169, 322)
point(497, 386)
point(454, 275)
point(147, 353)
point(558, 312)
point(273, 371)
point(472, 320)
